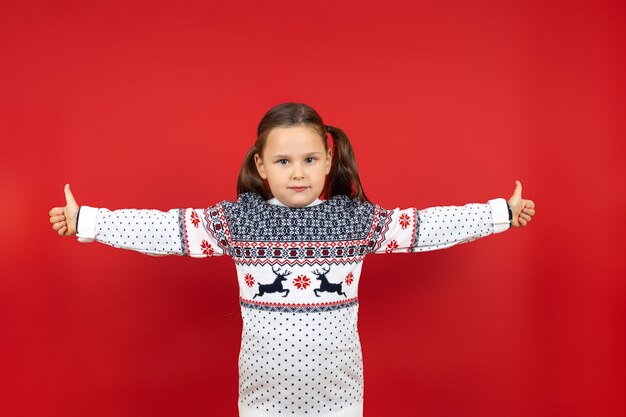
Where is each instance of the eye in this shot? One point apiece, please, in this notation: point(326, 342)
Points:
point(282, 162)
point(310, 160)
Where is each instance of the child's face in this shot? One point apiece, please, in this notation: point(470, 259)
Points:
point(295, 164)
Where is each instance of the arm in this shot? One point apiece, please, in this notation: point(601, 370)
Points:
point(412, 230)
point(185, 232)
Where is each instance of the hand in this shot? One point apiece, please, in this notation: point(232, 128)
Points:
point(523, 210)
point(63, 219)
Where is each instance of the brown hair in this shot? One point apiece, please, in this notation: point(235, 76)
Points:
point(343, 178)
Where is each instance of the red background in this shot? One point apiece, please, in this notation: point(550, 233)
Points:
point(153, 105)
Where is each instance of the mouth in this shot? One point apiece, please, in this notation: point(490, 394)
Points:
point(298, 189)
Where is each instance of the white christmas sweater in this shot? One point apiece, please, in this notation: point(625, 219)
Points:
point(298, 272)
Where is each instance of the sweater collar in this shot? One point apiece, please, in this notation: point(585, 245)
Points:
point(275, 202)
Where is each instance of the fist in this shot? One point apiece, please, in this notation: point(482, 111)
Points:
point(523, 210)
point(63, 219)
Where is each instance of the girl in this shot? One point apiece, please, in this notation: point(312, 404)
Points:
point(298, 257)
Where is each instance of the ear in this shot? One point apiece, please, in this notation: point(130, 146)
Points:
point(329, 160)
point(258, 161)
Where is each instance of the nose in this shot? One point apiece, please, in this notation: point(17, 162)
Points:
point(298, 171)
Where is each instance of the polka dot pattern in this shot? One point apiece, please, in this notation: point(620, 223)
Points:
point(433, 228)
point(152, 232)
point(300, 363)
point(446, 226)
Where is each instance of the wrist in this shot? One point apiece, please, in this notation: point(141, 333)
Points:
point(510, 213)
point(77, 217)
point(499, 215)
point(86, 230)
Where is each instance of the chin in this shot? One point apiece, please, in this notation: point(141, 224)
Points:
point(298, 200)
point(300, 204)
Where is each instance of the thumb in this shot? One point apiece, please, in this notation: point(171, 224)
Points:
point(518, 190)
point(69, 197)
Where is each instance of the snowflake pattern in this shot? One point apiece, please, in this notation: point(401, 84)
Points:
point(207, 249)
point(195, 220)
point(349, 278)
point(391, 246)
point(339, 218)
point(404, 220)
point(249, 280)
point(301, 282)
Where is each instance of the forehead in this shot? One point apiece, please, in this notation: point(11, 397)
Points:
point(293, 140)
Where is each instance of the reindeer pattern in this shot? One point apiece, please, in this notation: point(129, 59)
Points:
point(306, 288)
point(326, 286)
point(276, 286)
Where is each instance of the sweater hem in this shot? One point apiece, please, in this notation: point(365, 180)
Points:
point(352, 411)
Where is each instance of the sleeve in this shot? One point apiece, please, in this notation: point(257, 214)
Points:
point(413, 230)
point(183, 232)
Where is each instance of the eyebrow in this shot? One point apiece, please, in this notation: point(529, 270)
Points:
point(288, 156)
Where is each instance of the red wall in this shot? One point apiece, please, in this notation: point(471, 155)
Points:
point(153, 105)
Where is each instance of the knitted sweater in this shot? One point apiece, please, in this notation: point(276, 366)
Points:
point(298, 272)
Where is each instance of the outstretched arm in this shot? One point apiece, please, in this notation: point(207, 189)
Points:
point(183, 232)
point(413, 230)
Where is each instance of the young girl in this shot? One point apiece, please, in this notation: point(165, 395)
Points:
point(298, 257)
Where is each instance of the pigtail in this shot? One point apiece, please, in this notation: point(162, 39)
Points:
point(249, 179)
point(343, 178)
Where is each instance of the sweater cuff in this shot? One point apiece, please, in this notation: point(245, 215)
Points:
point(500, 215)
point(87, 226)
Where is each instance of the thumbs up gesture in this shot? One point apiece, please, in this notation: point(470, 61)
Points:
point(523, 210)
point(63, 219)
